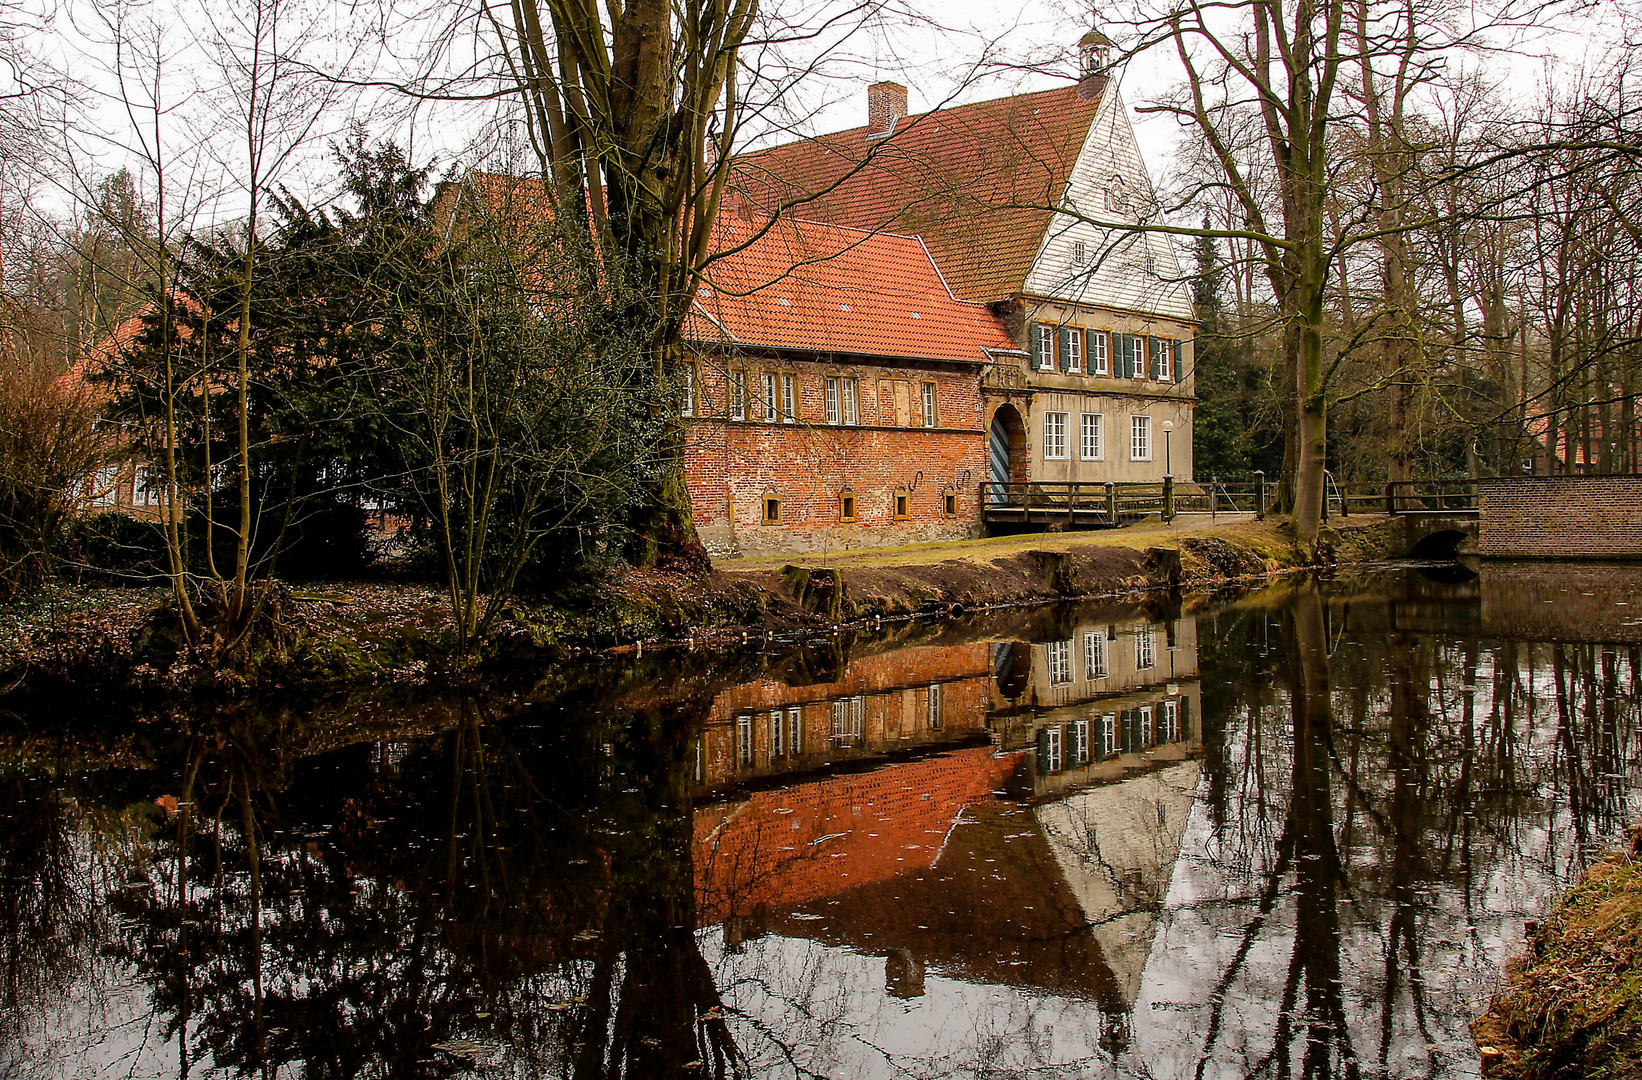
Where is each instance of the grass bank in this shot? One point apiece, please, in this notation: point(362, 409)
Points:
point(100, 640)
point(1572, 1004)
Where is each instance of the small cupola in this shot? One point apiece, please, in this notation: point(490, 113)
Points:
point(1094, 60)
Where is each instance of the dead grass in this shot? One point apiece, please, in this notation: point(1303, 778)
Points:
point(1572, 1006)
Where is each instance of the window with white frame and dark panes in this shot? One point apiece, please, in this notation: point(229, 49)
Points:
point(789, 398)
point(687, 393)
point(738, 395)
point(1043, 347)
point(1164, 366)
point(767, 384)
point(1092, 437)
point(930, 415)
point(1073, 342)
point(1099, 359)
point(1140, 438)
point(1054, 436)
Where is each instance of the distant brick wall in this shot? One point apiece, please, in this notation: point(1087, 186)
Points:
point(731, 466)
point(1554, 517)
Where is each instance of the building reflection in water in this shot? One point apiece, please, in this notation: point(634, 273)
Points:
point(999, 816)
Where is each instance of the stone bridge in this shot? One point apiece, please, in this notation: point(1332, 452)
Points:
point(1521, 517)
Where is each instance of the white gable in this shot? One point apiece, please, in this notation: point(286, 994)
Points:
point(1134, 272)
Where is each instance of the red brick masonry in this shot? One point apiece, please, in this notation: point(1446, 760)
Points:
point(1555, 517)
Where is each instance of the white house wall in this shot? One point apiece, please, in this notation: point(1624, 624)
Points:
point(1136, 273)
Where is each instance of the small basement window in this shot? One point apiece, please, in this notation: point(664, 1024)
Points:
point(902, 501)
point(846, 506)
point(949, 504)
point(772, 509)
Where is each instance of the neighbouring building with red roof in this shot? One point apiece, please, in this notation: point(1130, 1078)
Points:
point(930, 304)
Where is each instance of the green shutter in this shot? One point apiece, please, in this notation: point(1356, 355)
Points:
point(1065, 346)
point(1179, 360)
point(1034, 342)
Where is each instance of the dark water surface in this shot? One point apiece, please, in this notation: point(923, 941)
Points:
point(1292, 834)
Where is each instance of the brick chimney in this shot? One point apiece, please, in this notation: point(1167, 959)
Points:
point(886, 105)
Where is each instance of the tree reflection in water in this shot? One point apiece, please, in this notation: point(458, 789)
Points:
point(510, 891)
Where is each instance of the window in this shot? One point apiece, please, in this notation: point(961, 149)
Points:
point(1060, 663)
point(1080, 742)
point(687, 404)
point(105, 484)
point(834, 415)
point(777, 746)
point(744, 739)
point(795, 731)
point(772, 510)
point(852, 401)
point(1092, 436)
point(1043, 347)
point(1134, 358)
point(1148, 732)
point(936, 714)
point(1054, 436)
point(949, 504)
point(1140, 438)
point(789, 399)
point(846, 506)
point(1171, 721)
point(902, 499)
point(1074, 351)
point(769, 398)
point(929, 404)
point(1165, 359)
point(1094, 655)
point(738, 395)
point(847, 714)
point(1080, 253)
point(1108, 735)
point(1099, 361)
point(1145, 649)
point(1052, 750)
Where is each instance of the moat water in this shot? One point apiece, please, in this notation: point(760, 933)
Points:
point(1293, 833)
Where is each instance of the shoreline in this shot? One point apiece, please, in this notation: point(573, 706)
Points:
point(104, 641)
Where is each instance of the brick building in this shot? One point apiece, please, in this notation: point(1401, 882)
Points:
point(1027, 205)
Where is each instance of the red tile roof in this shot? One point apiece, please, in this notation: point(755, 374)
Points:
point(828, 289)
point(975, 181)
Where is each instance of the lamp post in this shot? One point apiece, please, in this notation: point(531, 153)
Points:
point(1168, 429)
point(1168, 474)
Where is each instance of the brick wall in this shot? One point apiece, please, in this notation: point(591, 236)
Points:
point(1555, 517)
point(731, 466)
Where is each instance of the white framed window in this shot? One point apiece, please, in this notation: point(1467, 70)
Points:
point(738, 395)
point(105, 486)
point(852, 401)
point(1044, 352)
point(1054, 436)
point(1074, 351)
point(1165, 359)
point(1145, 649)
point(1060, 663)
point(768, 386)
point(795, 731)
point(834, 409)
point(1094, 655)
point(1140, 438)
point(1052, 745)
point(744, 738)
point(687, 402)
point(936, 709)
point(1108, 735)
point(1171, 721)
point(929, 404)
point(1100, 360)
point(789, 399)
point(1148, 732)
point(1092, 436)
point(1080, 742)
point(1136, 346)
point(840, 719)
point(1080, 253)
point(777, 744)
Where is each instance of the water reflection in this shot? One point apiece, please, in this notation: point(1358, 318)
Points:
point(1293, 836)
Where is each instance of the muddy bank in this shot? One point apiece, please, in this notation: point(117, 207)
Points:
point(1572, 1004)
point(87, 641)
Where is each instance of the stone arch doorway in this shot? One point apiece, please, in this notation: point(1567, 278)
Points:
point(1006, 450)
